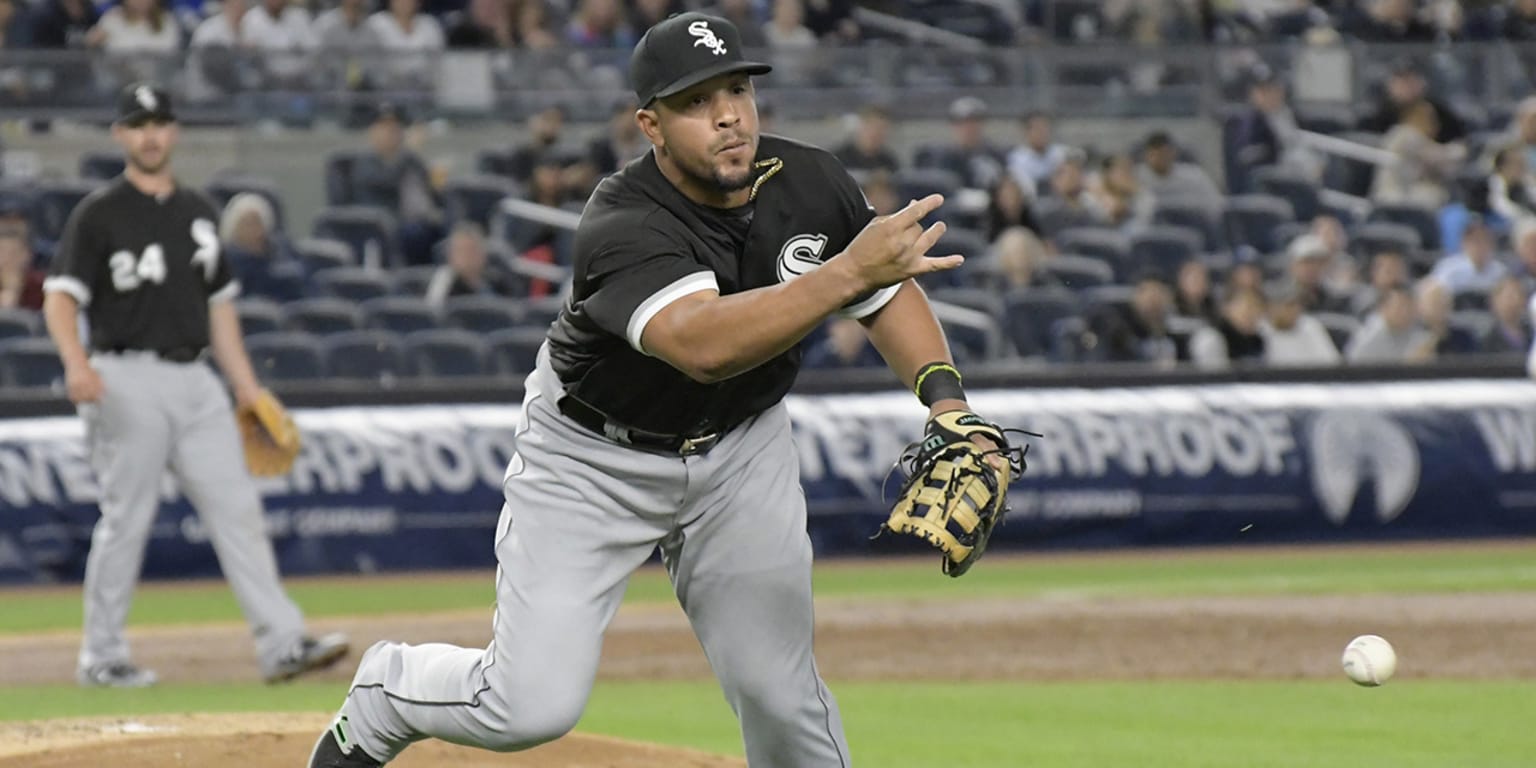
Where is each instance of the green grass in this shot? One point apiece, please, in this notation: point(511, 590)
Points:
point(1406, 724)
point(1224, 572)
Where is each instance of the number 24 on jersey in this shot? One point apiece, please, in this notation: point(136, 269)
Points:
point(129, 271)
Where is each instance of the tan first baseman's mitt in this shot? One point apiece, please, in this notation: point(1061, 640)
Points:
point(270, 437)
point(953, 495)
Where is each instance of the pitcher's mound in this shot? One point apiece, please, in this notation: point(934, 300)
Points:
point(283, 741)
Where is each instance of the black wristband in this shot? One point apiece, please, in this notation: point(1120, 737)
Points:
point(938, 381)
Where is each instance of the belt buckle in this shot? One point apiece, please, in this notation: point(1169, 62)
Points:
point(693, 446)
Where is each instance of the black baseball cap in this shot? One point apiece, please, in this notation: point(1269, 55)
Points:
point(684, 50)
point(141, 103)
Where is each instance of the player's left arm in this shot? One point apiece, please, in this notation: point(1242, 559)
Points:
point(908, 337)
point(229, 351)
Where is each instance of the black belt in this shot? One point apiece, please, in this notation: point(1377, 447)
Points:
point(171, 354)
point(597, 422)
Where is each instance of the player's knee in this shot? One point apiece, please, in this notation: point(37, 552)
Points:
point(769, 700)
point(536, 723)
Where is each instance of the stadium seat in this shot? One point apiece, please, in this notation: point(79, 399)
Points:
point(1163, 249)
point(1340, 326)
point(1069, 341)
point(283, 356)
point(1475, 323)
point(19, 324)
point(446, 352)
point(1292, 186)
point(1283, 235)
point(973, 336)
point(513, 351)
point(355, 284)
point(399, 314)
point(1029, 314)
point(918, 183)
point(1251, 220)
point(1099, 299)
point(101, 166)
point(982, 300)
point(476, 198)
point(1196, 216)
point(258, 315)
point(338, 177)
point(317, 253)
point(322, 316)
point(1107, 246)
point(413, 281)
point(967, 243)
point(1054, 218)
point(482, 314)
point(31, 363)
point(539, 313)
point(225, 186)
point(1423, 220)
point(373, 234)
point(52, 202)
point(1077, 272)
point(1377, 236)
point(375, 356)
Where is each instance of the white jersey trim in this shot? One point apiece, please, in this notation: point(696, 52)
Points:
point(69, 285)
point(870, 305)
point(230, 290)
point(688, 284)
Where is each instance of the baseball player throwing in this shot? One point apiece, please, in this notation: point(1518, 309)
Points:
point(141, 257)
point(654, 419)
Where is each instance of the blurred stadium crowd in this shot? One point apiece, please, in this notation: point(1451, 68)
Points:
point(1399, 230)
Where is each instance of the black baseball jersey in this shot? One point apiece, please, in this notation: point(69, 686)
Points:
point(642, 244)
point(144, 268)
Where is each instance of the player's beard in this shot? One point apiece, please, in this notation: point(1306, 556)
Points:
point(139, 164)
point(709, 176)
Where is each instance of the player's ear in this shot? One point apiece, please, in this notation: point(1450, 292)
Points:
point(650, 125)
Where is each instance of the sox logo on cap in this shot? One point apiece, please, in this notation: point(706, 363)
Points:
point(706, 37)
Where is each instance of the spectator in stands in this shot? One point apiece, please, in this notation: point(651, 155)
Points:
point(534, 30)
point(350, 41)
point(869, 147)
point(1434, 306)
point(1118, 195)
point(284, 33)
point(880, 192)
point(394, 178)
point(644, 14)
point(1520, 21)
point(1246, 274)
point(599, 24)
point(1391, 334)
point(1389, 269)
point(64, 24)
point(1033, 162)
point(1007, 207)
point(1511, 190)
point(969, 155)
point(1522, 130)
point(1165, 177)
point(622, 143)
point(1138, 332)
point(1291, 336)
point(257, 256)
point(485, 24)
point(1422, 166)
point(1234, 339)
point(1474, 269)
point(832, 21)
point(545, 129)
point(221, 29)
point(21, 282)
point(1267, 133)
point(409, 38)
point(466, 270)
point(1524, 240)
point(1405, 90)
point(214, 60)
point(786, 28)
point(744, 15)
point(1311, 263)
point(136, 28)
point(845, 345)
point(1192, 294)
point(1069, 187)
point(1511, 331)
point(1393, 21)
point(1020, 255)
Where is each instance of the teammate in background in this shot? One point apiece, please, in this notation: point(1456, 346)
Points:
point(141, 257)
point(655, 418)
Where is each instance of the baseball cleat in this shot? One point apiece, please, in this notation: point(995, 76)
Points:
point(335, 749)
point(309, 654)
point(116, 674)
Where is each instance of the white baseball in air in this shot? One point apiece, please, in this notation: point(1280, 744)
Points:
point(1369, 660)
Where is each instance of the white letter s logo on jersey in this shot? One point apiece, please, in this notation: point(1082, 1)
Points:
point(207, 254)
point(800, 255)
point(706, 37)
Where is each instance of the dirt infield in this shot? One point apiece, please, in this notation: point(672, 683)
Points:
point(1058, 638)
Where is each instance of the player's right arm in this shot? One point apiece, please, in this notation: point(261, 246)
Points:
point(711, 337)
point(68, 288)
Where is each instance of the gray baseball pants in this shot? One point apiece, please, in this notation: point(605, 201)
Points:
point(581, 514)
point(156, 415)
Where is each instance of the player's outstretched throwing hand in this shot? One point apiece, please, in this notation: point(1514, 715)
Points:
point(893, 248)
